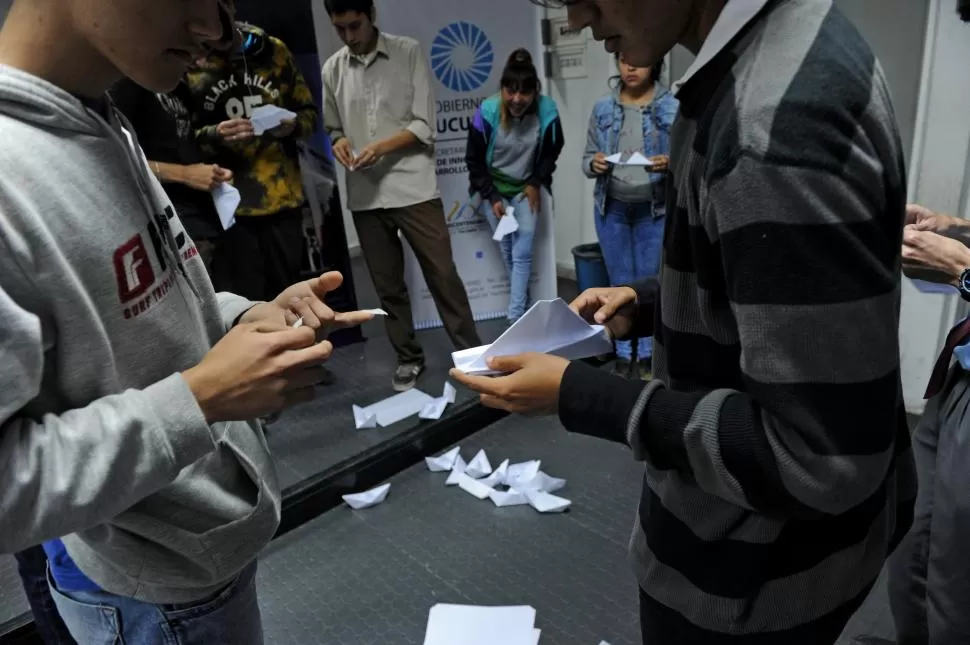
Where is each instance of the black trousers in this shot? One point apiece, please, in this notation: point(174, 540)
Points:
point(32, 566)
point(259, 257)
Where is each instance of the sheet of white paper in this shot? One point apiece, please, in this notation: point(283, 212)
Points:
point(931, 287)
point(635, 159)
point(473, 487)
point(457, 470)
point(400, 406)
point(510, 497)
point(542, 483)
point(443, 463)
point(369, 498)
point(506, 225)
point(537, 634)
point(468, 625)
point(546, 503)
point(375, 312)
point(549, 327)
point(364, 420)
point(226, 199)
point(497, 478)
point(479, 466)
point(523, 472)
point(435, 408)
point(267, 117)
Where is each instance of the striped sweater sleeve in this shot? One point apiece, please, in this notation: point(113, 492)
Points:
point(809, 260)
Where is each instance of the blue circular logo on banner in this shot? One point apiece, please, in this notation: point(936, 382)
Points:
point(462, 57)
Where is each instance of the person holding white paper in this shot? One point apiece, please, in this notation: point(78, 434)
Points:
point(263, 251)
point(513, 146)
point(629, 208)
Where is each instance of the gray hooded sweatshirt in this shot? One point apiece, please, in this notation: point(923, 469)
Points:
point(104, 301)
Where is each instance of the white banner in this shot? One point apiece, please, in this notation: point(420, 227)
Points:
point(468, 43)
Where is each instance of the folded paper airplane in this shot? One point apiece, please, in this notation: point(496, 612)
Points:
point(373, 497)
point(549, 327)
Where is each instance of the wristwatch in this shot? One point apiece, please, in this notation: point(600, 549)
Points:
point(963, 284)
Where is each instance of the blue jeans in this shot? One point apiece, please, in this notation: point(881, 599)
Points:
point(230, 617)
point(32, 566)
point(631, 236)
point(516, 252)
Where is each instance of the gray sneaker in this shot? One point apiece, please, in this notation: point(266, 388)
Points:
point(406, 376)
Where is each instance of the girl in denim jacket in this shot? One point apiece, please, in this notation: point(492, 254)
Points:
point(629, 200)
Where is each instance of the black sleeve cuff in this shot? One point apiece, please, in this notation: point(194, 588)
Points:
point(596, 403)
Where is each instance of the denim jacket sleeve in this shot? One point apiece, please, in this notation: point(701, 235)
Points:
point(592, 147)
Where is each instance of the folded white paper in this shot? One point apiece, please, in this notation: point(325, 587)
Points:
point(395, 408)
point(523, 472)
point(507, 225)
point(443, 463)
point(932, 287)
point(497, 478)
point(468, 625)
point(549, 327)
point(267, 117)
point(363, 419)
point(226, 198)
point(634, 159)
point(542, 483)
point(546, 503)
point(537, 634)
point(369, 498)
point(479, 466)
point(298, 324)
point(510, 497)
point(435, 408)
point(457, 470)
point(375, 312)
point(473, 486)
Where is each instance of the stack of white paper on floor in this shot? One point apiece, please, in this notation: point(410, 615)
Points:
point(403, 405)
point(507, 485)
point(549, 327)
point(469, 625)
point(267, 117)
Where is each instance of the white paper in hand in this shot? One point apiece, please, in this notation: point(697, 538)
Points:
point(373, 497)
point(226, 198)
point(635, 159)
point(479, 466)
point(507, 225)
point(375, 312)
point(267, 117)
point(549, 327)
point(443, 463)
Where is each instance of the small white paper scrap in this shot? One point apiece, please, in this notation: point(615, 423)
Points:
point(434, 409)
point(524, 472)
point(226, 198)
point(546, 503)
point(267, 117)
point(369, 498)
point(479, 466)
point(506, 225)
point(473, 487)
point(510, 497)
point(497, 478)
point(443, 463)
point(457, 469)
point(375, 312)
point(364, 420)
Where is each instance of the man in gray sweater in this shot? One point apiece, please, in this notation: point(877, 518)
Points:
point(128, 388)
point(778, 470)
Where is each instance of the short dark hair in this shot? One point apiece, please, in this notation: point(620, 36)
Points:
point(963, 8)
point(343, 6)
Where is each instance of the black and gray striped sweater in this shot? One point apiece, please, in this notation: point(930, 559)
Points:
point(778, 469)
